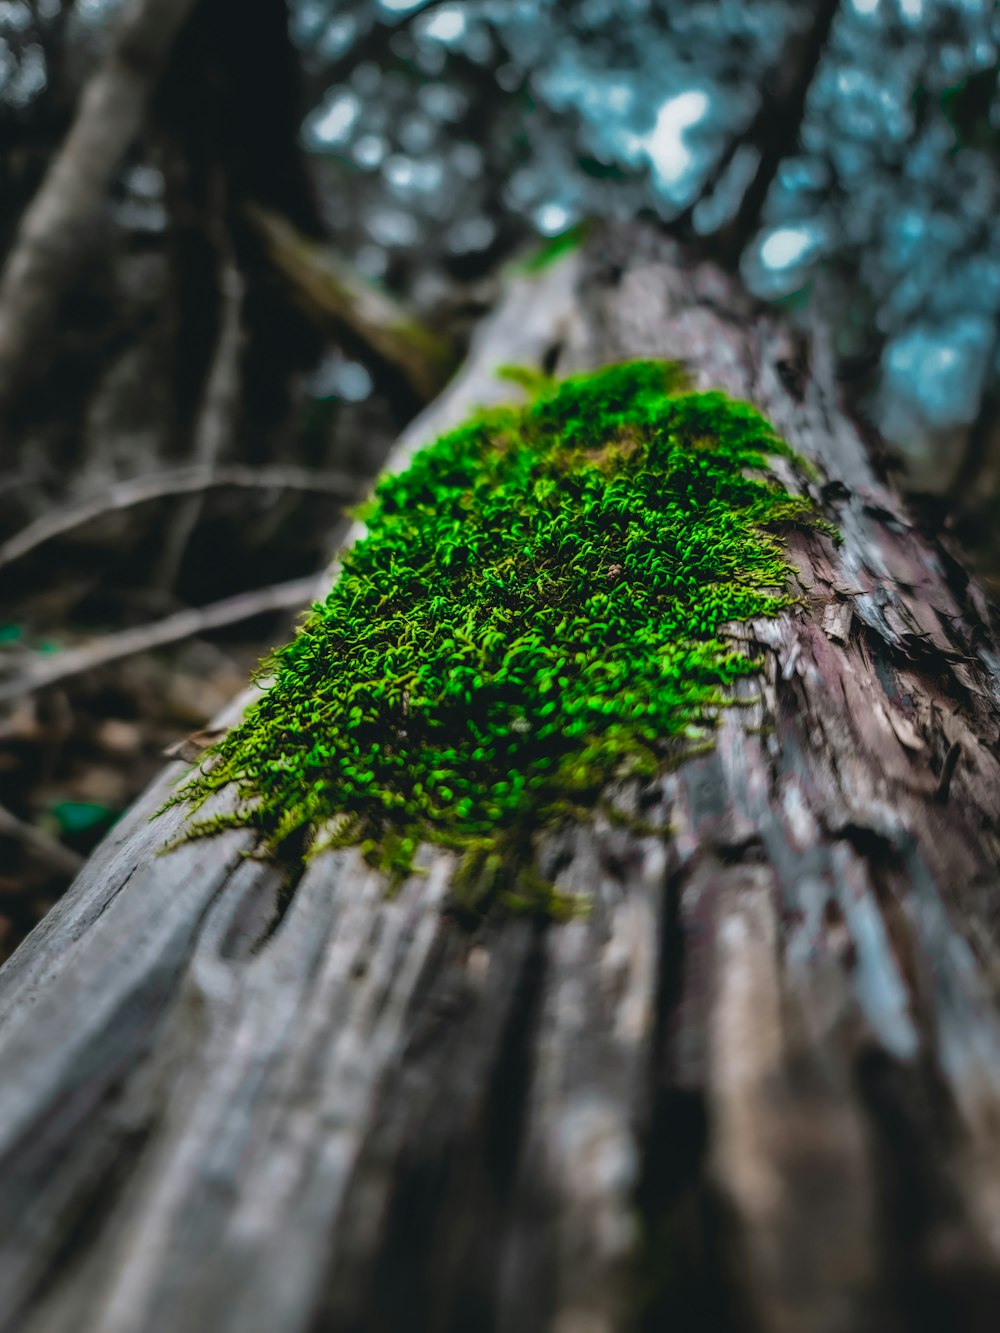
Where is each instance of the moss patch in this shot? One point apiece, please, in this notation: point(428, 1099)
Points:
point(553, 249)
point(538, 609)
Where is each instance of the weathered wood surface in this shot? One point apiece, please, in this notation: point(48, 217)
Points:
point(757, 1087)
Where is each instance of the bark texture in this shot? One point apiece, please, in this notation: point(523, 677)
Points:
point(758, 1087)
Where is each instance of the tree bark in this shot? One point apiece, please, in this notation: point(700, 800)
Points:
point(757, 1087)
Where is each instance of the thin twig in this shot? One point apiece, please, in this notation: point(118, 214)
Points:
point(220, 401)
point(182, 625)
point(174, 481)
point(47, 848)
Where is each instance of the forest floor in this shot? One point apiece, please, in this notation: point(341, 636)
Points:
point(75, 754)
point(73, 758)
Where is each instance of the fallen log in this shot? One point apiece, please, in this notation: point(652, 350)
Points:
point(756, 1085)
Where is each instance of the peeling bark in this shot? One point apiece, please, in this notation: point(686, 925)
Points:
point(757, 1087)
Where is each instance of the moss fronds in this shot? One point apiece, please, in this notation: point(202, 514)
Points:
point(539, 608)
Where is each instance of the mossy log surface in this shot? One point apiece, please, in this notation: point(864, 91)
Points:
point(756, 1086)
point(542, 608)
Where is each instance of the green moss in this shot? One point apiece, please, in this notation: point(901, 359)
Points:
point(553, 249)
point(539, 608)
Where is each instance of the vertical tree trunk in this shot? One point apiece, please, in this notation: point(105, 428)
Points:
point(758, 1086)
point(51, 242)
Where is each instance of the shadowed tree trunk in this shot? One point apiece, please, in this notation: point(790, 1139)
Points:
point(756, 1087)
point(52, 240)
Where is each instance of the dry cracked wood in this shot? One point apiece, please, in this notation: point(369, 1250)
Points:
point(757, 1087)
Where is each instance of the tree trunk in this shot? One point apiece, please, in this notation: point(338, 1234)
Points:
point(757, 1087)
point(51, 241)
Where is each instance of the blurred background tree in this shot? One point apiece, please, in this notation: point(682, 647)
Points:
point(286, 219)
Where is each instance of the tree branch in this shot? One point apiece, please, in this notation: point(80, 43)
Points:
point(182, 625)
point(47, 848)
point(176, 481)
point(773, 131)
point(217, 417)
point(336, 295)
